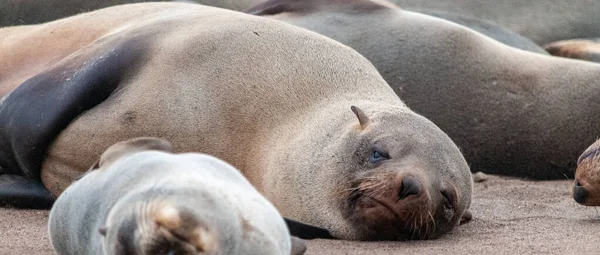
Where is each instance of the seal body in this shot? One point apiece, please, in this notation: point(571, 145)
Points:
point(488, 28)
point(541, 21)
point(149, 201)
point(584, 49)
point(511, 112)
point(26, 12)
point(319, 133)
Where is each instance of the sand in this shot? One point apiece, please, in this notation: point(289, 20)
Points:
point(510, 216)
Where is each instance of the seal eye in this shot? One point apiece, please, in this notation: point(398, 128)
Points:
point(378, 156)
point(447, 199)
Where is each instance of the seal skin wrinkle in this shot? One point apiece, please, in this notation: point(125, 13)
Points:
point(319, 132)
point(511, 112)
point(142, 199)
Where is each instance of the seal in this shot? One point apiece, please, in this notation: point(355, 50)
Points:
point(584, 49)
point(586, 187)
point(488, 28)
point(142, 199)
point(511, 112)
point(319, 133)
point(550, 21)
point(27, 12)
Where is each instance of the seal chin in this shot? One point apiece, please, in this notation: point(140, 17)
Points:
point(400, 211)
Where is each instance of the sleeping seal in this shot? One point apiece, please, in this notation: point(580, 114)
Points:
point(586, 187)
point(511, 112)
point(25, 12)
point(542, 21)
point(309, 121)
point(144, 200)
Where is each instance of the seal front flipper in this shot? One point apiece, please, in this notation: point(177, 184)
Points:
point(306, 231)
point(18, 191)
point(35, 113)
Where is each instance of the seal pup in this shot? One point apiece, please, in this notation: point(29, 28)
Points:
point(541, 21)
point(584, 49)
point(142, 199)
point(586, 187)
point(319, 133)
point(511, 112)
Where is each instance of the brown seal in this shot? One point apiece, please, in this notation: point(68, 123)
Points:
point(511, 112)
point(142, 199)
point(584, 49)
point(586, 188)
point(318, 132)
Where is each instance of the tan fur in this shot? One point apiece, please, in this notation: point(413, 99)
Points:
point(510, 111)
point(588, 174)
point(273, 100)
point(578, 49)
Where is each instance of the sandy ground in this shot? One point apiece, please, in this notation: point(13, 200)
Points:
point(510, 217)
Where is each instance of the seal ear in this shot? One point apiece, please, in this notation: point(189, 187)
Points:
point(273, 7)
point(362, 117)
point(298, 246)
point(120, 149)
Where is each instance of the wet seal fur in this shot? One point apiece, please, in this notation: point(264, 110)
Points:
point(510, 111)
point(319, 133)
point(584, 49)
point(142, 199)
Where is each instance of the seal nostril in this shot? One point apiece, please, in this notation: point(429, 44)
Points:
point(579, 193)
point(410, 186)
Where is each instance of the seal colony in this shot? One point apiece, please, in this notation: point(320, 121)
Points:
point(142, 199)
point(309, 121)
point(511, 112)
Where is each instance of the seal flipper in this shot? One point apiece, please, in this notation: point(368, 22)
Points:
point(18, 191)
point(35, 113)
point(306, 231)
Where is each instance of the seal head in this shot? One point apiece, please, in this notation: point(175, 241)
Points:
point(586, 187)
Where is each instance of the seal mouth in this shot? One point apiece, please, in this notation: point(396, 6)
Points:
point(383, 204)
point(378, 219)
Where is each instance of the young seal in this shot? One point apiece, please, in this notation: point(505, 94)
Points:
point(309, 121)
point(542, 21)
point(142, 199)
point(510, 111)
point(584, 49)
point(586, 188)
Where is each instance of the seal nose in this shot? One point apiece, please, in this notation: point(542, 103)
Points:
point(410, 186)
point(579, 193)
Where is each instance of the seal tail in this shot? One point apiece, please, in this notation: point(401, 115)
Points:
point(180, 229)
